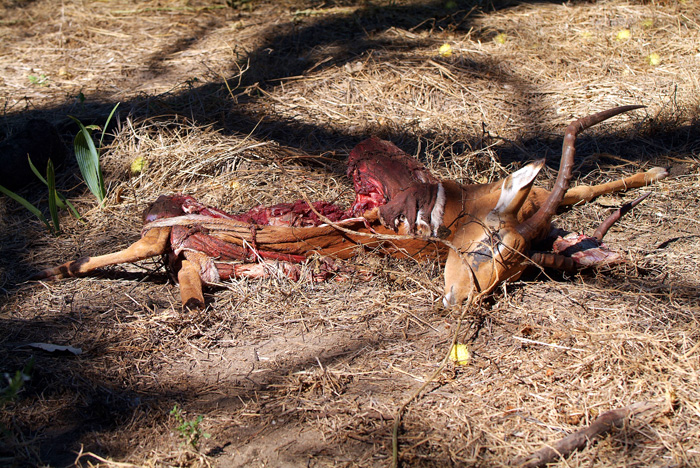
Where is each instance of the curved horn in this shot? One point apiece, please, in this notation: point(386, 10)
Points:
point(536, 226)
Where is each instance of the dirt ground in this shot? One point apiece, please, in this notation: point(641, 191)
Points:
point(251, 103)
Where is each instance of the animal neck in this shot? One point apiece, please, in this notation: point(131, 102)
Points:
point(475, 199)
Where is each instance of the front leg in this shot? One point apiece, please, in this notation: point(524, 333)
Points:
point(154, 242)
point(190, 286)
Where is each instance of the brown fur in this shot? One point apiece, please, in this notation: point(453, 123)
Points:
point(491, 226)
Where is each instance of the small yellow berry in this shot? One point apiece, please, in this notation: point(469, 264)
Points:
point(654, 59)
point(137, 165)
point(445, 50)
point(460, 354)
point(623, 34)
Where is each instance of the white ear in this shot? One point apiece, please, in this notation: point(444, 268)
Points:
point(516, 188)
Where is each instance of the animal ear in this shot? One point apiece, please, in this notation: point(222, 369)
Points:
point(516, 188)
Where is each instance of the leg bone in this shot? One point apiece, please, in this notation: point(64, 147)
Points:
point(154, 242)
point(587, 193)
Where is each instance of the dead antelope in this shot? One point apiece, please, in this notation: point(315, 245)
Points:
point(484, 231)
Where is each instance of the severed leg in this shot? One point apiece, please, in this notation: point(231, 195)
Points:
point(588, 192)
point(190, 286)
point(576, 251)
point(154, 242)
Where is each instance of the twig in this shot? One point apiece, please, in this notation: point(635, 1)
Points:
point(601, 426)
point(419, 390)
point(109, 462)
point(542, 343)
point(465, 308)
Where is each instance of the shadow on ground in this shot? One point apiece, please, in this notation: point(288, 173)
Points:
point(103, 403)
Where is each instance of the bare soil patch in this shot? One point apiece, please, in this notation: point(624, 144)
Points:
point(261, 102)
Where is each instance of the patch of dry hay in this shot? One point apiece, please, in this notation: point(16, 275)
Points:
point(312, 374)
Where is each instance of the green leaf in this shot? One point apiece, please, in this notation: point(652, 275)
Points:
point(88, 161)
point(33, 209)
point(53, 208)
point(107, 123)
point(36, 171)
point(62, 202)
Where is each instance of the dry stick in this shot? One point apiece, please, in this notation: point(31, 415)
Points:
point(602, 425)
point(399, 414)
point(418, 391)
point(465, 308)
point(109, 462)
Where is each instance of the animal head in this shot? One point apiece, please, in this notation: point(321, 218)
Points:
point(491, 227)
point(493, 236)
point(488, 246)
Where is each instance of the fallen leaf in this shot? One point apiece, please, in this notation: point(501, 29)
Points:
point(501, 38)
point(52, 348)
point(137, 165)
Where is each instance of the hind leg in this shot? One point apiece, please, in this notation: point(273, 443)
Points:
point(155, 242)
point(586, 193)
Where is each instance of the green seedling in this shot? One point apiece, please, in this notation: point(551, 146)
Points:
point(15, 383)
point(88, 156)
point(189, 431)
point(56, 200)
point(41, 80)
point(61, 201)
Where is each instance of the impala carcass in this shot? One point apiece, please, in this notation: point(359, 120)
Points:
point(483, 232)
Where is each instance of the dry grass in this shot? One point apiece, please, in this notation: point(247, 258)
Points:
point(260, 104)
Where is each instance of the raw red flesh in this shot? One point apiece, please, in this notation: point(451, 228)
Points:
point(297, 214)
point(380, 172)
point(585, 250)
point(386, 177)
